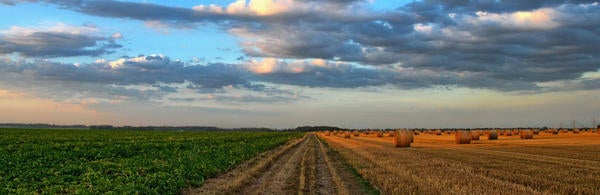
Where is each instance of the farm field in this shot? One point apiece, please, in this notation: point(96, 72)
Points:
point(565, 163)
point(122, 162)
point(168, 162)
point(307, 166)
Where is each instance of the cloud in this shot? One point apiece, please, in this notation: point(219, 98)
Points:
point(57, 41)
point(506, 45)
point(252, 7)
point(141, 78)
point(539, 19)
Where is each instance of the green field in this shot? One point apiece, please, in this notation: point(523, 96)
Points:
point(119, 161)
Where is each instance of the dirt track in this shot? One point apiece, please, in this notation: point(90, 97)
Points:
point(304, 167)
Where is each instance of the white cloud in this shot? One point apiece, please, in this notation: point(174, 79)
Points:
point(117, 36)
point(115, 64)
point(539, 19)
point(274, 65)
point(422, 28)
point(265, 66)
point(251, 7)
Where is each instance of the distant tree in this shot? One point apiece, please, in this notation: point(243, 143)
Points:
point(573, 124)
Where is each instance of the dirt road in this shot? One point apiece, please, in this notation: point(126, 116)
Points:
point(306, 166)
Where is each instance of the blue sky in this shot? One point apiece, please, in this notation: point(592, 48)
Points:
point(286, 63)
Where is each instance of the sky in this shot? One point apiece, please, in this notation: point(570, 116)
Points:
point(288, 63)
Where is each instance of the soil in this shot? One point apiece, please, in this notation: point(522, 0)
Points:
point(305, 166)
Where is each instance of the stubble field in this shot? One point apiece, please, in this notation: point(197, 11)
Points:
point(563, 163)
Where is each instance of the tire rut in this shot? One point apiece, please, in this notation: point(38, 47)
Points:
point(307, 167)
point(282, 177)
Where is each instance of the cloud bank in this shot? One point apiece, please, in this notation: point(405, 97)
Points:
point(508, 45)
point(57, 41)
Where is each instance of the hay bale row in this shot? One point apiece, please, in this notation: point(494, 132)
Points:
point(346, 134)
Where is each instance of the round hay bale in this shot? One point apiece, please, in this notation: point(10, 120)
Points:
point(493, 135)
point(346, 134)
point(356, 133)
point(402, 138)
point(438, 132)
point(379, 134)
point(475, 134)
point(327, 133)
point(416, 132)
point(526, 134)
point(508, 132)
point(462, 137)
point(516, 132)
point(576, 131)
point(536, 132)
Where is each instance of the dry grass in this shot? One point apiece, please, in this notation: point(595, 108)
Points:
point(548, 164)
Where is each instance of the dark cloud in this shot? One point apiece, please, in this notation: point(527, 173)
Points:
point(503, 45)
point(56, 43)
point(141, 77)
point(155, 71)
point(429, 6)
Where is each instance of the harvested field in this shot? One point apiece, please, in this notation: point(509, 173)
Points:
point(566, 163)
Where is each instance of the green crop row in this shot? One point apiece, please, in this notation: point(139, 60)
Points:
point(122, 162)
